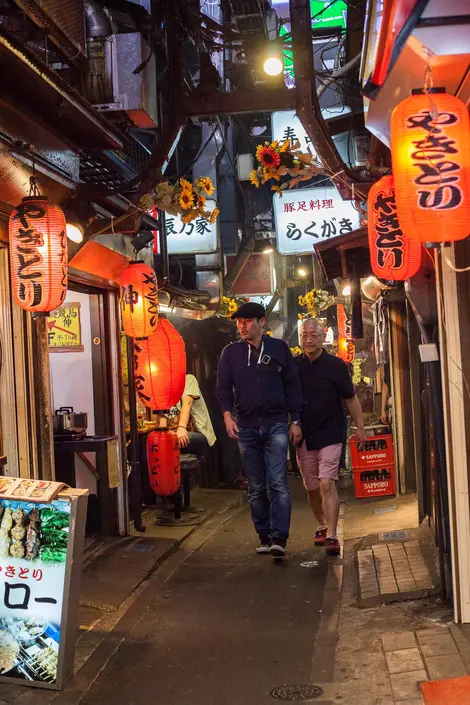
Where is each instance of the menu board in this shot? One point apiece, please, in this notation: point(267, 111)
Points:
point(29, 490)
point(63, 329)
point(34, 541)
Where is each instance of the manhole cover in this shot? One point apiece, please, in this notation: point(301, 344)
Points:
point(142, 547)
point(310, 564)
point(393, 536)
point(296, 692)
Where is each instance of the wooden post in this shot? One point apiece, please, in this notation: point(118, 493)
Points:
point(43, 398)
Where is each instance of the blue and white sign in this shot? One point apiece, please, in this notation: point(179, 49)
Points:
point(196, 238)
point(306, 217)
point(287, 126)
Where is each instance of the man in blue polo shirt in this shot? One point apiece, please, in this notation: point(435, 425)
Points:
point(326, 384)
point(259, 377)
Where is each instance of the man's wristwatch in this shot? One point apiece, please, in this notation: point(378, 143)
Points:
point(296, 423)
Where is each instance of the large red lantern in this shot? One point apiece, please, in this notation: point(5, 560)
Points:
point(430, 143)
point(139, 300)
point(346, 347)
point(160, 367)
point(393, 255)
point(38, 254)
point(163, 460)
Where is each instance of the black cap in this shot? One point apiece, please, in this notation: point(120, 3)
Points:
point(250, 310)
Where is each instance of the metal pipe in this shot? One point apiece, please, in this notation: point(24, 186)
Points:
point(97, 22)
point(136, 488)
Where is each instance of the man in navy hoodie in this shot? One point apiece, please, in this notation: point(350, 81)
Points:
point(257, 376)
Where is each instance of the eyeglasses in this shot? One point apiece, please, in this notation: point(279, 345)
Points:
point(314, 336)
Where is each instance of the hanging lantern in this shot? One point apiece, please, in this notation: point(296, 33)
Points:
point(392, 254)
point(346, 347)
point(38, 254)
point(160, 367)
point(139, 300)
point(163, 460)
point(430, 143)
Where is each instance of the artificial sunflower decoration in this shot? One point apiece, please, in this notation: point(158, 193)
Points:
point(186, 199)
point(315, 301)
point(295, 352)
point(182, 199)
point(206, 185)
point(228, 306)
point(267, 155)
point(277, 160)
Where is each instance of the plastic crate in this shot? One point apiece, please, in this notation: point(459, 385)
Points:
point(378, 451)
point(374, 482)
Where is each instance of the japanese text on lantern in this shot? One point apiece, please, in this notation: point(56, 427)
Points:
point(346, 347)
point(440, 173)
point(388, 234)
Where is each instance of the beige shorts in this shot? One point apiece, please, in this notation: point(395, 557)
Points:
point(315, 464)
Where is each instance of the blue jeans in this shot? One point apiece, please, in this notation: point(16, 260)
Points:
point(264, 457)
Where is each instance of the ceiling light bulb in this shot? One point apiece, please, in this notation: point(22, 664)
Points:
point(301, 272)
point(268, 250)
point(347, 290)
point(74, 232)
point(273, 66)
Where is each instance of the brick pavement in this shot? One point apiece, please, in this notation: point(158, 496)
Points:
point(393, 571)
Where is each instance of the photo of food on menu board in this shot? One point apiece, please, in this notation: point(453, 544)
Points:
point(33, 551)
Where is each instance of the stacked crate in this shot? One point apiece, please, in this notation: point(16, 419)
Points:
point(374, 467)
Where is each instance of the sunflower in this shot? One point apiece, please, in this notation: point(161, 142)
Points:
point(254, 178)
point(186, 185)
point(277, 189)
point(285, 147)
point(270, 174)
point(201, 202)
point(189, 217)
point(206, 184)
point(186, 199)
point(213, 216)
point(268, 156)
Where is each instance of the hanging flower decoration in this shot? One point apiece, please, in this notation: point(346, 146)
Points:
point(277, 160)
point(183, 199)
point(315, 301)
point(295, 352)
point(228, 306)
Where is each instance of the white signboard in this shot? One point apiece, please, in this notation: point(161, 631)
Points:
point(196, 238)
point(287, 126)
point(306, 217)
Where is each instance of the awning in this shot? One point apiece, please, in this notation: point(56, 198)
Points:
point(345, 255)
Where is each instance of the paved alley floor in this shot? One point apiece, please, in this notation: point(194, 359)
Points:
point(227, 628)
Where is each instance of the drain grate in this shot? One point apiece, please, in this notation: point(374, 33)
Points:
point(296, 692)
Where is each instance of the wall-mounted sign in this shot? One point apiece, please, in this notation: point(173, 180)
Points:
point(196, 238)
point(304, 218)
point(256, 277)
point(287, 126)
point(63, 329)
point(37, 572)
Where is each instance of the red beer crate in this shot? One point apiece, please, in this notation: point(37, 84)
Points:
point(374, 482)
point(378, 451)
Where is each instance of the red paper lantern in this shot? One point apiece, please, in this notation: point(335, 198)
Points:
point(139, 300)
point(430, 143)
point(392, 254)
point(160, 367)
point(346, 347)
point(163, 460)
point(38, 254)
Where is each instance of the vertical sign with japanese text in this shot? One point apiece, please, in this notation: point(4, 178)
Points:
point(196, 238)
point(34, 540)
point(306, 217)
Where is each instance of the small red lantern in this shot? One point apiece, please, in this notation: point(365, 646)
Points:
point(346, 347)
point(38, 254)
point(430, 143)
point(392, 254)
point(163, 460)
point(160, 367)
point(139, 300)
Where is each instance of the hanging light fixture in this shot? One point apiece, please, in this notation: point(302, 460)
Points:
point(139, 300)
point(430, 144)
point(163, 460)
point(160, 363)
point(38, 253)
point(393, 255)
point(273, 64)
point(75, 231)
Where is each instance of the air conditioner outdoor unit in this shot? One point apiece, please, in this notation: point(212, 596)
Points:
point(113, 86)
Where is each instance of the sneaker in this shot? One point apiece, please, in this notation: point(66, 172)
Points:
point(332, 547)
point(320, 537)
point(278, 548)
point(264, 545)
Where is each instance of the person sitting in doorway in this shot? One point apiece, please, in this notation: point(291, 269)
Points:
point(191, 421)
